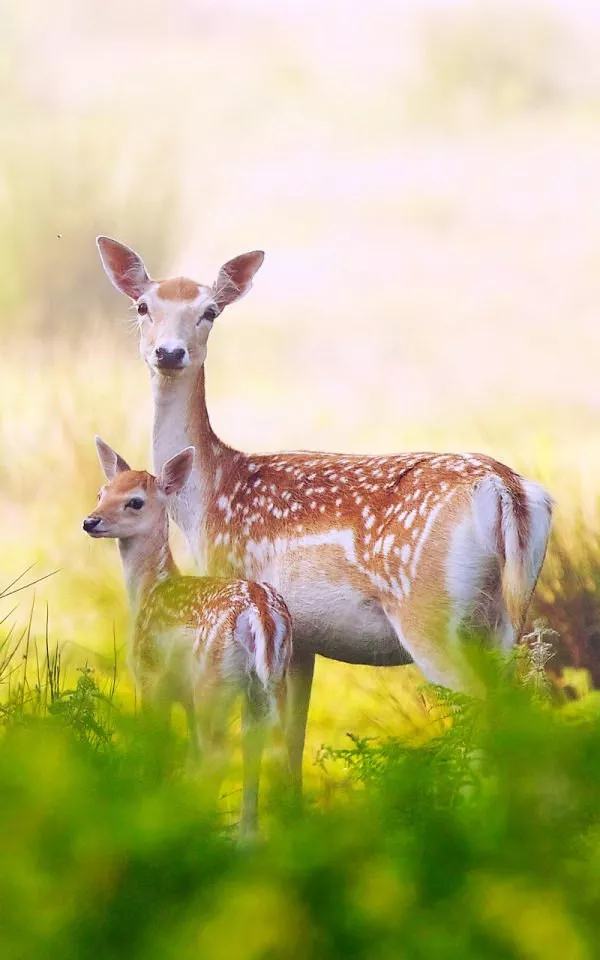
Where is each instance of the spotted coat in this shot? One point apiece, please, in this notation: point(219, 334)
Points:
point(209, 611)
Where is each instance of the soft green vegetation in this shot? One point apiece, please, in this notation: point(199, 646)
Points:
point(483, 840)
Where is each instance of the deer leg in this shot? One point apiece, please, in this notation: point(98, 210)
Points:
point(300, 679)
point(254, 710)
point(194, 734)
point(212, 705)
point(435, 646)
point(428, 644)
point(156, 702)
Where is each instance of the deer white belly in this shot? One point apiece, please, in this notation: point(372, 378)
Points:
point(341, 623)
point(339, 620)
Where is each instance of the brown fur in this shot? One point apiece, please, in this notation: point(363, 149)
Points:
point(178, 288)
point(514, 485)
point(123, 483)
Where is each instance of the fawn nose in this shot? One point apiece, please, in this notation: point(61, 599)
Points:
point(170, 358)
point(90, 523)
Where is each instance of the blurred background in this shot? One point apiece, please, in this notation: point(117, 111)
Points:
point(423, 177)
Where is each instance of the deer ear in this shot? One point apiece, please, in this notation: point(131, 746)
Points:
point(235, 277)
point(124, 267)
point(176, 471)
point(110, 461)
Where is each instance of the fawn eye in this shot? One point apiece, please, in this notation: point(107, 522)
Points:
point(142, 309)
point(136, 503)
point(209, 314)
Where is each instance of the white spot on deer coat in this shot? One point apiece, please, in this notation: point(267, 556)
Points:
point(388, 543)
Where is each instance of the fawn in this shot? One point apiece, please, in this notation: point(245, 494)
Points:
point(382, 560)
point(200, 641)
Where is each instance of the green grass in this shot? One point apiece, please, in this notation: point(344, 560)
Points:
point(483, 840)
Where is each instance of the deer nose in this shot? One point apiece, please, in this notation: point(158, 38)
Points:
point(170, 357)
point(90, 523)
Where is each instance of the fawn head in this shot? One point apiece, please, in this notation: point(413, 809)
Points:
point(175, 316)
point(134, 503)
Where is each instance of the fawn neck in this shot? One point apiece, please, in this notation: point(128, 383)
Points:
point(146, 560)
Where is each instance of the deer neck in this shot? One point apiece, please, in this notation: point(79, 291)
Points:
point(181, 420)
point(146, 561)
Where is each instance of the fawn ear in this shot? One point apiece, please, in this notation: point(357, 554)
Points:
point(124, 267)
point(235, 277)
point(175, 473)
point(110, 461)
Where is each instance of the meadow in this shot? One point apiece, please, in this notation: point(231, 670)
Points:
point(423, 180)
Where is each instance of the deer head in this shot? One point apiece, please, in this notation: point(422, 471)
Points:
point(134, 503)
point(175, 316)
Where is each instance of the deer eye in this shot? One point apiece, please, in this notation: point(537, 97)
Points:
point(136, 503)
point(209, 314)
point(142, 309)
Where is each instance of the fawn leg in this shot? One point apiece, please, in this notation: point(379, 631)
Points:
point(253, 740)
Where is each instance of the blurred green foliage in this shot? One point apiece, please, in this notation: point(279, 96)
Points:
point(484, 841)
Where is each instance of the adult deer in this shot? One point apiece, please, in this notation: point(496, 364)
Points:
point(199, 641)
point(382, 560)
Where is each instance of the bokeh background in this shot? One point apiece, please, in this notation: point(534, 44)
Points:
point(423, 177)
